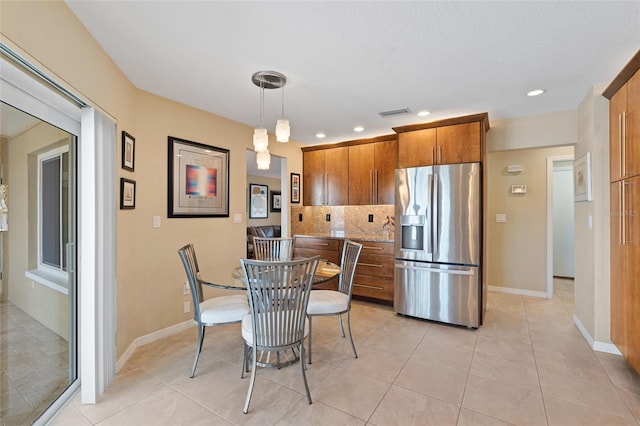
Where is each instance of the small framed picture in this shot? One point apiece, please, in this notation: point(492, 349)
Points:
point(295, 188)
point(127, 194)
point(128, 151)
point(276, 202)
point(582, 178)
point(258, 201)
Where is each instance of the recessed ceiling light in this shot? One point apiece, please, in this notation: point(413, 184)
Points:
point(423, 113)
point(536, 92)
point(358, 129)
point(320, 135)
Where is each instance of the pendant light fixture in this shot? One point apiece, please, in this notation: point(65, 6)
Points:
point(268, 80)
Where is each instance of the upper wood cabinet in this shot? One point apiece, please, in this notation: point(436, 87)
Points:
point(325, 174)
point(371, 173)
point(451, 141)
point(624, 130)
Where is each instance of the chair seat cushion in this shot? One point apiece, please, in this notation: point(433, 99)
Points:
point(327, 302)
point(247, 329)
point(224, 309)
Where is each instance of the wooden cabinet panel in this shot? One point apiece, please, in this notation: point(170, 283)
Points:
point(417, 148)
point(459, 143)
point(336, 166)
point(326, 248)
point(371, 173)
point(632, 129)
point(313, 178)
point(325, 174)
point(618, 282)
point(373, 287)
point(624, 130)
point(361, 174)
point(386, 160)
point(631, 307)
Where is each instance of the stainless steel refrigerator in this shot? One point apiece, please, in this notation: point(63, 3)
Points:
point(438, 243)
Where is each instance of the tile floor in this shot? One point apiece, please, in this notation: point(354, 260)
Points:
point(34, 366)
point(528, 365)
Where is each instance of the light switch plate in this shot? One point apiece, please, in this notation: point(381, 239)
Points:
point(501, 217)
point(156, 221)
point(237, 218)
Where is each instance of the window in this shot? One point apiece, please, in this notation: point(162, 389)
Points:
point(53, 209)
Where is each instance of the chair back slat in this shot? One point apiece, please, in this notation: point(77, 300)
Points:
point(350, 254)
point(273, 248)
point(190, 263)
point(278, 293)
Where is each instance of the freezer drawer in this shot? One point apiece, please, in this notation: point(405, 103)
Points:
point(445, 293)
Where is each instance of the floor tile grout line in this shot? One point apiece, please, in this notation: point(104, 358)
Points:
point(535, 360)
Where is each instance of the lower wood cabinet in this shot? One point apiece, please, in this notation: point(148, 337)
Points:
point(374, 272)
point(327, 248)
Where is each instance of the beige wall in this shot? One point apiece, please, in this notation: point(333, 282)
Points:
point(149, 273)
point(517, 249)
point(592, 244)
point(48, 306)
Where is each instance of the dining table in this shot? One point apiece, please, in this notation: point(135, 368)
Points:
point(325, 271)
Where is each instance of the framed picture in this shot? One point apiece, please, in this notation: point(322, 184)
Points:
point(198, 184)
point(582, 178)
point(128, 151)
point(276, 202)
point(295, 187)
point(127, 194)
point(258, 201)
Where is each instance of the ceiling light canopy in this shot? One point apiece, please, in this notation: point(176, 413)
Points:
point(423, 113)
point(358, 129)
point(269, 80)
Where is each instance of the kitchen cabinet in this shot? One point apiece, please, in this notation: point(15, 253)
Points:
point(371, 172)
point(326, 177)
point(451, 141)
point(326, 248)
point(624, 130)
point(374, 271)
point(624, 144)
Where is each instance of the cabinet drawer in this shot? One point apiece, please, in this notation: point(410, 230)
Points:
point(375, 287)
point(376, 265)
point(374, 247)
point(318, 243)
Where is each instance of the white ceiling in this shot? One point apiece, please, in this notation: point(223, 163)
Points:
point(347, 61)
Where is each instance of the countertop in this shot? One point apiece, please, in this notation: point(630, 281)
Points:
point(343, 236)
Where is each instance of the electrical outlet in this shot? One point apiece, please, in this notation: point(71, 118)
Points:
point(370, 218)
point(327, 217)
point(187, 307)
point(299, 217)
point(185, 288)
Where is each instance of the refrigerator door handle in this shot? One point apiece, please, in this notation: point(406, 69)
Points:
point(435, 213)
point(428, 226)
point(469, 272)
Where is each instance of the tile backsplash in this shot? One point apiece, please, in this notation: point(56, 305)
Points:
point(347, 220)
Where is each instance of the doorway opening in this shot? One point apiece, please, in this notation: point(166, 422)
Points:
point(560, 226)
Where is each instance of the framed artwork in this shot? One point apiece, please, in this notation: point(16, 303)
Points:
point(128, 151)
point(276, 202)
point(582, 178)
point(258, 201)
point(198, 184)
point(127, 194)
point(295, 187)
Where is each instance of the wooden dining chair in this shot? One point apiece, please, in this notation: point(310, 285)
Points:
point(278, 293)
point(332, 302)
point(211, 312)
point(273, 248)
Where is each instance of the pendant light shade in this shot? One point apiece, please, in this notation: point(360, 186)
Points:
point(260, 140)
point(269, 80)
point(282, 130)
point(263, 160)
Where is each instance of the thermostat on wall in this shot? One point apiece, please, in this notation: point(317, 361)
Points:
point(518, 189)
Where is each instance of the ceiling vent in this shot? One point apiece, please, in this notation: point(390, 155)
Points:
point(394, 112)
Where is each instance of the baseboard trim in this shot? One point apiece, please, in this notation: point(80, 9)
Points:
point(595, 345)
point(518, 291)
point(151, 337)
